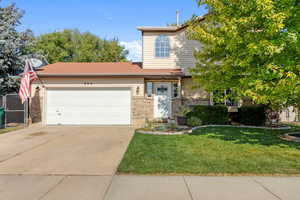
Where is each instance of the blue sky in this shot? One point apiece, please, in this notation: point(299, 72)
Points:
point(107, 19)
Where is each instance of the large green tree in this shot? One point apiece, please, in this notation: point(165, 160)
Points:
point(15, 47)
point(73, 46)
point(252, 47)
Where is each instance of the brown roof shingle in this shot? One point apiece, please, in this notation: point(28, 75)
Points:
point(102, 69)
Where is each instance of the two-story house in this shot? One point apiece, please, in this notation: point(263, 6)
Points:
point(121, 93)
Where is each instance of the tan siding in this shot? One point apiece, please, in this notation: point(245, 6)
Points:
point(149, 59)
point(191, 93)
point(133, 83)
point(181, 56)
point(184, 50)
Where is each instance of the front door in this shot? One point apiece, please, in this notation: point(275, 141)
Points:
point(162, 100)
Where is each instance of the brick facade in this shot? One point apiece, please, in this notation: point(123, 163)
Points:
point(149, 108)
point(142, 109)
point(176, 105)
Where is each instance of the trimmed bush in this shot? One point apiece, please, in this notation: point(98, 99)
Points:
point(252, 115)
point(194, 121)
point(217, 114)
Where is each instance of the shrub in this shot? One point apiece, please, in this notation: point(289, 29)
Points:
point(184, 110)
point(194, 121)
point(149, 124)
point(217, 114)
point(172, 126)
point(252, 115)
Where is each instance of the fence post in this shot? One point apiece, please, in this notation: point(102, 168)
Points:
point(26, 113)
point(5, 114)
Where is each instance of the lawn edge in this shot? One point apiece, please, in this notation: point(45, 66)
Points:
point(208, 175)
point(11, 129)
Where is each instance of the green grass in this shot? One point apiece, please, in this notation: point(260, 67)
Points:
point(213, 151)
point(6, 130)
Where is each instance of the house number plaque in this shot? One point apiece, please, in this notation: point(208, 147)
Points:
point(88, 83)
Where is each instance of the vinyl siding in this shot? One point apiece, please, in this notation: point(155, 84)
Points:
point(133, 83)
point(189, 91)
point(181, 55)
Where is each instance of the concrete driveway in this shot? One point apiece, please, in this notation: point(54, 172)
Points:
point(60, 162)
point(63, 150)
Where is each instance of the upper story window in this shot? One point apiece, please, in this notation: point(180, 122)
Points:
point(162, 46)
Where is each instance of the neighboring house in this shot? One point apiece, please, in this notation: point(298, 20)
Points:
point(121, 93)
point(290, 114)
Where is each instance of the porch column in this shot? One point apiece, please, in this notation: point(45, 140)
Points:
point(181, 93)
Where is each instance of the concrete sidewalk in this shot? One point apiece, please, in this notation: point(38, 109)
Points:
point(198, 188)
point(29, 187)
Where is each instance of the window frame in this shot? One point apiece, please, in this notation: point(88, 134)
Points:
point(229, 101)
point(166, 47)
point(152, 89)
point(175, 88)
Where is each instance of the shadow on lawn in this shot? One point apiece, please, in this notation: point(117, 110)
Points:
point(248, 136)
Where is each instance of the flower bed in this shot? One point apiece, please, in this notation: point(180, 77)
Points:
point(180, 130)
point(165, 129)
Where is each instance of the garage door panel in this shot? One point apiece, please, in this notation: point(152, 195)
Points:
point(98, 113)
point(98, 121)
point(63, 97)
point(87, 104)
point(103, 107)
point(88, 108)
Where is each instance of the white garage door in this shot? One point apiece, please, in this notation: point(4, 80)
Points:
point(88, 107)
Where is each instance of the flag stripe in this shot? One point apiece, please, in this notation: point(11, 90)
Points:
point(28, 76)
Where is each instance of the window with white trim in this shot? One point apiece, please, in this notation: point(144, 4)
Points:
point(175, 92)
point(229, 101)
point(149, 89)
point(162, 46)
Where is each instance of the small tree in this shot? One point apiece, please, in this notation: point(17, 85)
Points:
point(252, 47)
point(15, 47)
point(73, 46)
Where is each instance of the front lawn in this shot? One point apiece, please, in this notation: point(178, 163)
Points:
point(213, 151)
point(6, 130)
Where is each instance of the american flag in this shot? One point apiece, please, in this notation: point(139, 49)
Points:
point(28, 76)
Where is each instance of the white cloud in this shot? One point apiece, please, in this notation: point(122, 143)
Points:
point(135, 50)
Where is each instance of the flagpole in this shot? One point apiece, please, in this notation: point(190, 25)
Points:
point(25, 90)
point(41, 82)
point(27, 113)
